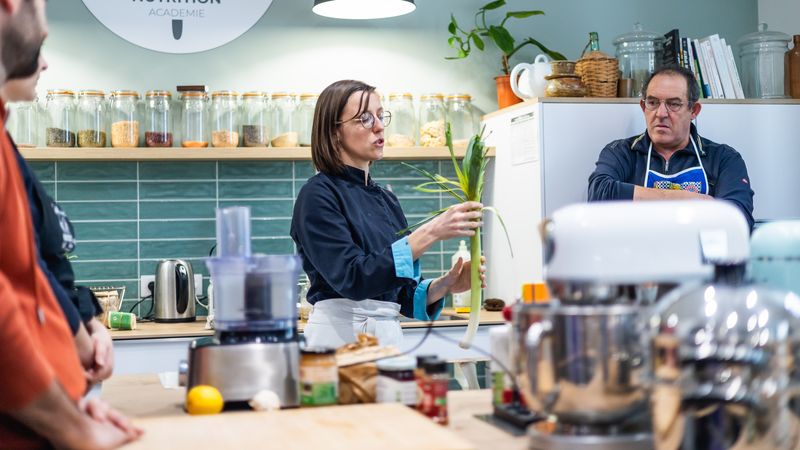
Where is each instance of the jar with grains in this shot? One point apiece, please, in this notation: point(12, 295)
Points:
point(284, 129)
point(402, 131)
point(432, 115)
point(304, 118)
point(194, 119)
point(60, 118)
point(23, 123)
point(158, 119)
point(124, 119)
point(92, 120)
point(225, 119)
point(396, 382)
point(319, 377)
point(256, 118)
point(461, 118)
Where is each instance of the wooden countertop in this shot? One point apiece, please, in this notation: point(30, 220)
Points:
point(152, 330)
point(159, 411)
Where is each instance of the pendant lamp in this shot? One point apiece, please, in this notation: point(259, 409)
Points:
point(363, 9)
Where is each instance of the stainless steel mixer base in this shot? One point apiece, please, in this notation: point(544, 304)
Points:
point(543, 441)
point(240, 371)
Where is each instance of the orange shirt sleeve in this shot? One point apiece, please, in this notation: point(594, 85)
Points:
point(24, 373)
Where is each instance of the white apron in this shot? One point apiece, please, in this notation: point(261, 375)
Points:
point(338, 321)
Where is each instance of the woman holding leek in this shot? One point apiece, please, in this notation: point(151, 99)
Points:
point(363, 273)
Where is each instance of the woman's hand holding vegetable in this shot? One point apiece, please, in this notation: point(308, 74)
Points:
point(459, 220)
point(457, 279)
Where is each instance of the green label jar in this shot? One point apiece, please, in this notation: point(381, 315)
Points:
point(319, 377)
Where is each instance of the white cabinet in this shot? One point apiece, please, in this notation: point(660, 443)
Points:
point(546, 149)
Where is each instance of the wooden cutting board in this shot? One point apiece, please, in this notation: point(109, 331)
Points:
point(374, 426)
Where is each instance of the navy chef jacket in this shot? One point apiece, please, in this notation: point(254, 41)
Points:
point(346, 232)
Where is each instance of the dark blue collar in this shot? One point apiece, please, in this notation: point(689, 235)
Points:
point(355, 175)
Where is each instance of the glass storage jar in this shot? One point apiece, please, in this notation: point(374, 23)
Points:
point(60, 118)
point(23, 123)
point(432, 115)
point(194, 119)
point(256, 116)
point(304, 118)
point(124, 119)
point(461, 118)
point(158, 119)
point(762, 55)
point(285, 130)
point(92, 122)
point(225, 119)
point(640, 54)
point(402, 130)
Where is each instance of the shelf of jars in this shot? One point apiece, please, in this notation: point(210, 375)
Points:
point(217, 153)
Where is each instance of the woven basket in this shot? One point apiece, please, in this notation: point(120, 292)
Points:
point(599, 72)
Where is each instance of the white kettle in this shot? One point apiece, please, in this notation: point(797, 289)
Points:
point(527, 80)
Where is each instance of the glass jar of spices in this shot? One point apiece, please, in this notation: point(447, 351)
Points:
point(23, 123)
point(396, 382)
point(124, 119)
point(432, 115)
point(461, 118)
point(256, 117)
point(158, 119)
point(304, 118)
point(92, 124)
point(319, 377)
point(402, 131)
point(60, 118)
point(285, 132)
point(225, 119)
point(434, 391)
point(194, 119)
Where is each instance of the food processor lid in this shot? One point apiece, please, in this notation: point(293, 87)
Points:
point(637, 35)
point(776, 240)
point(725, 321)
point(762, 35)
point(274, 263)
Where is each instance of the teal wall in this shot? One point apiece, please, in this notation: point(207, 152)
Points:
point(128, 215)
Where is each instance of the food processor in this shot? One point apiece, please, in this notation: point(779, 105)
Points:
point(255, 347)
point(581, 358)
point(775, 255)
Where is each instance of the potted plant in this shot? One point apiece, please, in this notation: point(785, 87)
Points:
point(463, 41)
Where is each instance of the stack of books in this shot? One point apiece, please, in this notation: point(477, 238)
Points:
point(710, 59)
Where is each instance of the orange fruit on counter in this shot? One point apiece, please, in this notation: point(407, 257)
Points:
point(204, 399)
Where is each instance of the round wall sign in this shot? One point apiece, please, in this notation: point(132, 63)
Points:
point(178, 26)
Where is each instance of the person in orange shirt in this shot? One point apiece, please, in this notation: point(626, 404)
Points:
point(41, 378)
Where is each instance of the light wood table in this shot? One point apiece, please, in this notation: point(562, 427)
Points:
point(387, 427)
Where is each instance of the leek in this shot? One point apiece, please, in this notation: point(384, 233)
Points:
point(468, 187)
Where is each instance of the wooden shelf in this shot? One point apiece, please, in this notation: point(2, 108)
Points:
point(200, 154)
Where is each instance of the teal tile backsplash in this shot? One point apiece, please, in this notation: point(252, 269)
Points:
point(129, 215)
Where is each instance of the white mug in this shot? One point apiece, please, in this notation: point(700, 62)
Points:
point(527, 80)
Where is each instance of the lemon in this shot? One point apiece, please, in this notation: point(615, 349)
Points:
point(204, 399)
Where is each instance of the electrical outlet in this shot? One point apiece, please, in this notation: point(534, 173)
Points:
point(198, 285)
point(144, 291)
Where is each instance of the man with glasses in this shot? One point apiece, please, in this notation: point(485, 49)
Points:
point(670, 161)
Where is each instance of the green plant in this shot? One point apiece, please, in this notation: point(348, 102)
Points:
point(463, 41)
point(471, 176)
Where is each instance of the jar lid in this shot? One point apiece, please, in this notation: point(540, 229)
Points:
point(435, 366)
point(422, 359)
point(91, 93)
point(193, 94)
point(397, 364)
point(260, 94)
point(60, 92)
point(637, 35)
point(435, 96)
point(397, 95)
point(459, 97)
point(224, 93)
point(318, 351)
point(167, 94)
point(762, 35)
point(124, 93)
point(281, 95)
point(308, 96)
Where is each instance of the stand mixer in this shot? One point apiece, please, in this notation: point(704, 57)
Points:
point(582, 358)
point(256, 346)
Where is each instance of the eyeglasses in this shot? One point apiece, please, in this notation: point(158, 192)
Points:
point(652, 104)
point(367, 119)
